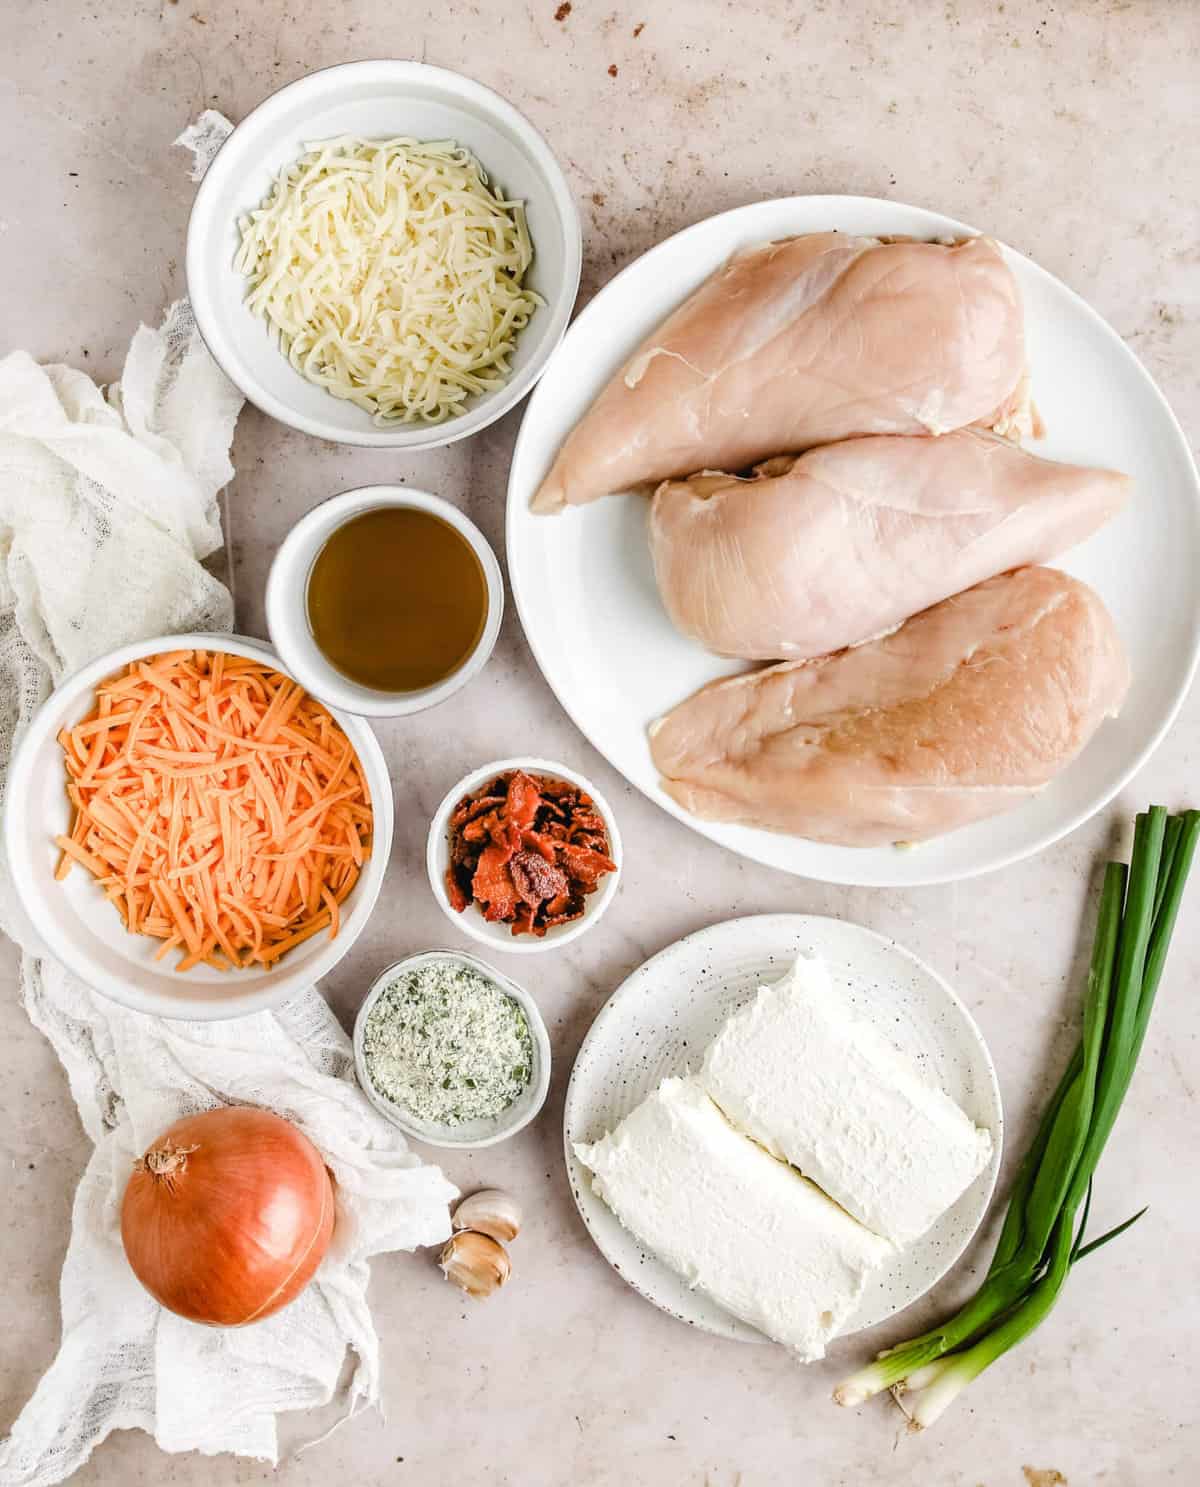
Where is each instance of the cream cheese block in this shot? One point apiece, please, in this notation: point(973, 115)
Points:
point(734, 1222)
point(822, 1089)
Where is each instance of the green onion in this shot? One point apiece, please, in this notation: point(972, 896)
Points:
point(1043, 1235)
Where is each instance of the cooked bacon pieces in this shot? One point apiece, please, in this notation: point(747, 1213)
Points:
point(584, 864)
point(492, 885)
point(527, 850)
point(536, 880)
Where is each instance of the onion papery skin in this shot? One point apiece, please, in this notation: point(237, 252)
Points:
point(235, 1221)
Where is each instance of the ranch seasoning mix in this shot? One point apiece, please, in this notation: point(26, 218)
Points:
point(448, 1044)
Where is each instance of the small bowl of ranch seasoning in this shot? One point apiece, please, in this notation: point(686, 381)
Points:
point(451, 1050)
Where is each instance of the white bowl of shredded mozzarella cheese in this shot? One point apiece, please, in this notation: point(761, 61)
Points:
point(384, 254)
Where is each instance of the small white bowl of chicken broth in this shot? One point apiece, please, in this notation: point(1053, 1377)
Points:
point(384, 601)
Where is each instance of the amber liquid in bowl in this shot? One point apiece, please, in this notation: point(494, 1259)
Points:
point(397, 599)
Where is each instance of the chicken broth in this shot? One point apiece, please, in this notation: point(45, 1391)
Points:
point(397, 599)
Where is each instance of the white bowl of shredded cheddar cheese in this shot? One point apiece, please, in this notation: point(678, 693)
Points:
point(384, 254)
point(72, 914)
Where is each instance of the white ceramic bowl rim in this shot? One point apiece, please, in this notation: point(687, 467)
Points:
point(287, 607)
point(524, 1109)
point(185, 994)
point(234, 156)
point(470, 921)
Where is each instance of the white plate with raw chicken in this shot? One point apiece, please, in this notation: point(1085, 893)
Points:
point(1036, 718)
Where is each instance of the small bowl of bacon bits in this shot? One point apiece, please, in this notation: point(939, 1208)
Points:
point(524, 855)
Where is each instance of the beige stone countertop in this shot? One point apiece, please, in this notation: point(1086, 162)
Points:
point(1069, 131)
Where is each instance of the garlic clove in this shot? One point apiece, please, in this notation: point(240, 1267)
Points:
point(490, 1212)
point(476, 1263)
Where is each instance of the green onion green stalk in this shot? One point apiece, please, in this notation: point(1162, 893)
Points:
point(1043, 1235)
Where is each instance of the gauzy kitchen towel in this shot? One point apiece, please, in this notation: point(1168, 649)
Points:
point(107, 505)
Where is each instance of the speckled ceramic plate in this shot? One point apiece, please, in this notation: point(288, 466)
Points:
point(659, 1021)
point(583, 581)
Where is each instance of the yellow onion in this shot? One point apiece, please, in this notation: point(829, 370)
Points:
point(227, 1216)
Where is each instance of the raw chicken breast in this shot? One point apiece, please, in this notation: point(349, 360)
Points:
point(804, 342)
point(845, 542)
point(963, 712)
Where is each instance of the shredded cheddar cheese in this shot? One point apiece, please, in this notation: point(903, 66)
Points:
point(220, 808)
point(392, 274)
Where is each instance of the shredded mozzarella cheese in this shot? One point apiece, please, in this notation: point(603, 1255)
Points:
point(392, 274)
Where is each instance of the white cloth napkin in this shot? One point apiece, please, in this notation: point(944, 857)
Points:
point(107, 504)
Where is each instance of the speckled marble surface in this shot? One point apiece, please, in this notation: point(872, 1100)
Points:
point(1067, 130)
